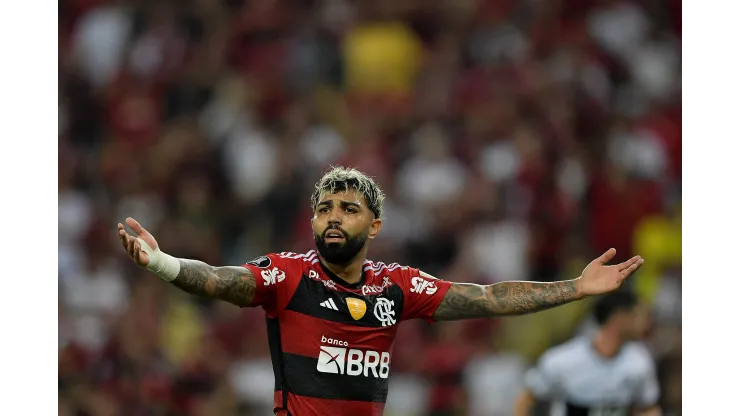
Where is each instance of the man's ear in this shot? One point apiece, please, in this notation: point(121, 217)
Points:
point(375, 228)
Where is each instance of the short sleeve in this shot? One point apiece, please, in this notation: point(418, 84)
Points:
point(275, 278)
point(422, 294)
point(649, 390)
point(541, 380)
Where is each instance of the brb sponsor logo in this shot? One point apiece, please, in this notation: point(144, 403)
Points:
point(422, 285)
point(351, 361)
point(273, 276)
point(376, 289)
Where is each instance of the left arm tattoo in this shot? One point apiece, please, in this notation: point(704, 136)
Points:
point(467, 300)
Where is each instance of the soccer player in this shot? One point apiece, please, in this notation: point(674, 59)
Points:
point(609, 373)
point(332, 315)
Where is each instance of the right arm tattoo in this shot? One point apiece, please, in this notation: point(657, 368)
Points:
point(230, 283)
point(467, 300)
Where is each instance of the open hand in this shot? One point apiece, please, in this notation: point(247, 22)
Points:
point(598, 278)
point(132, 245)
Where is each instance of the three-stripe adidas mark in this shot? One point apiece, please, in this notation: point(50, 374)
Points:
point(329, 303)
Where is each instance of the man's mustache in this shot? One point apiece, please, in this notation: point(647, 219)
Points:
point(330, 228)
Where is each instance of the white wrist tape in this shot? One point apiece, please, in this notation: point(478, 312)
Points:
point(161, 263)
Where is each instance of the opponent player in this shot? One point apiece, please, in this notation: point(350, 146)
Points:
point(332, 315)
point(607, 374)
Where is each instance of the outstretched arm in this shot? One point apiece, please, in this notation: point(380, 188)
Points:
point(466, 300)
point(235, 285)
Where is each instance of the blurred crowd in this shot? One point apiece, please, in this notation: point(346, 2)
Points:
point(516, 140)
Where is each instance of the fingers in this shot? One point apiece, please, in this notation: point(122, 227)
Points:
point(131, 247)
point(631, 269)
point(628, 263)
point(138, 229)
point(607, 256)
point(126, 239)
point(122, 235)
point(131, 244)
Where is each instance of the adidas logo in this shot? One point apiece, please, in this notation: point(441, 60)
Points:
point(329, 303)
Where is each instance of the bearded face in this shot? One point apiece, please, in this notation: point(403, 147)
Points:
point(342, 224)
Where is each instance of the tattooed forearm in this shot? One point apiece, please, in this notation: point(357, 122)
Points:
point(232, 284)
point(465, 300)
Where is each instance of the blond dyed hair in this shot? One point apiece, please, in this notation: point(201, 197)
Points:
point(341, 179)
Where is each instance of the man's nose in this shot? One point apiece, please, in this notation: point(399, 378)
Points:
point(335, 216)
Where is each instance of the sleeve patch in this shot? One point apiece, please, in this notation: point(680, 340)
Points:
point(262, 262)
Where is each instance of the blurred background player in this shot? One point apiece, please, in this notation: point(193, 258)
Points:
point(607, 373)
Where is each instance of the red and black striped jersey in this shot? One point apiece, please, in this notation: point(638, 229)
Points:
point(331, 342)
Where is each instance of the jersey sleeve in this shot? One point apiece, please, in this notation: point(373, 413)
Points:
point(422, 294)
point(649, 387)
point(541, 380)
point(276, 278)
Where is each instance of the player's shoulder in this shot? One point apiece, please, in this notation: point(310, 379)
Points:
point(308, 257)
point(380, 269)
point(570, 350)
point(638, 354)
point(409, 279)
point(574, 345)
point(287, 262)
point(405, 276)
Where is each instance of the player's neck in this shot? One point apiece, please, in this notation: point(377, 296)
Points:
point(351, 272)
point(607, 343)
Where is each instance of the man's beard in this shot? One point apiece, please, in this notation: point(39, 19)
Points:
point(340, 253)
